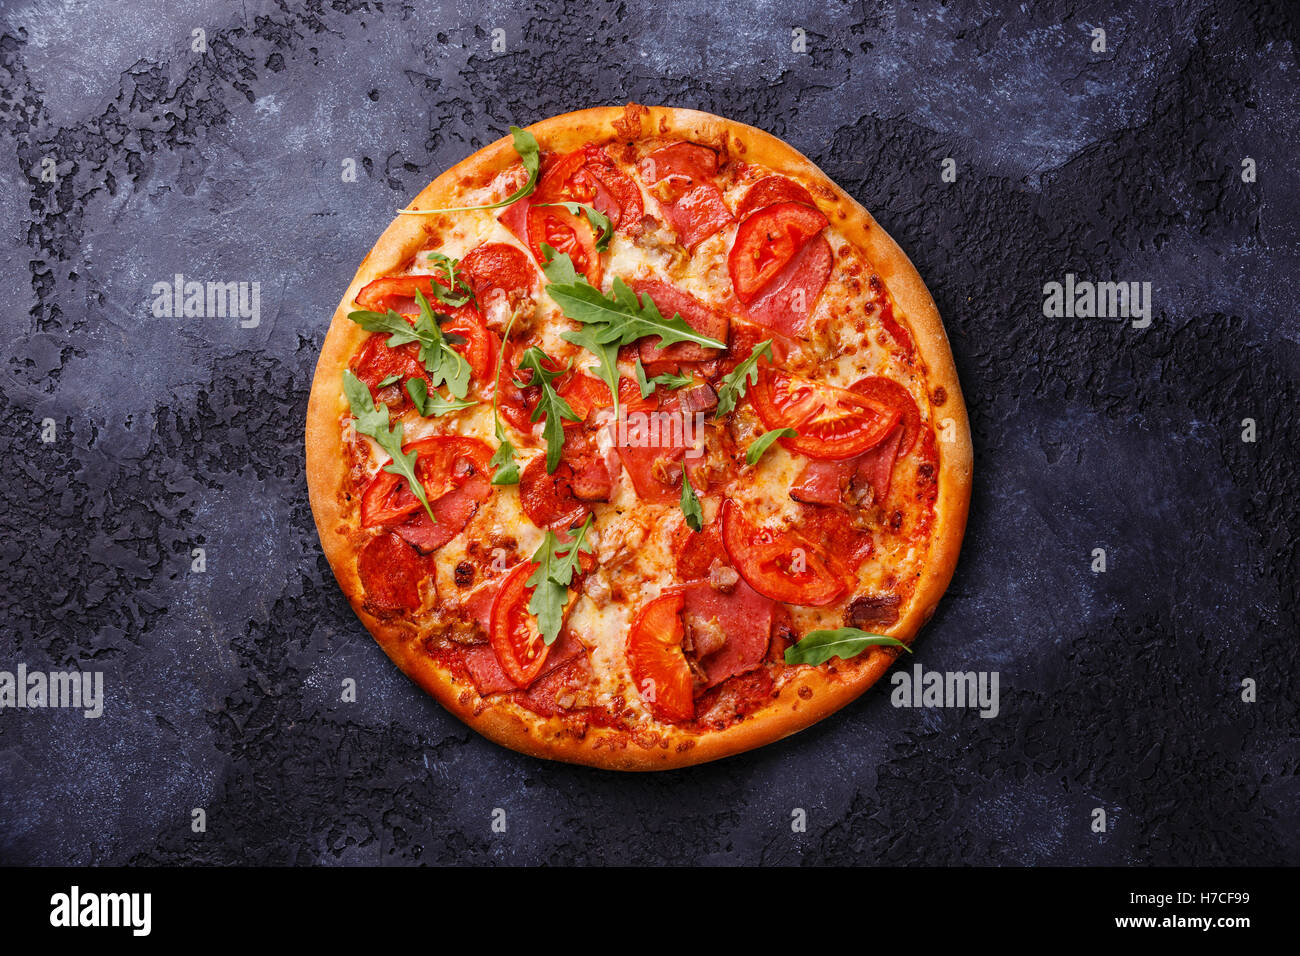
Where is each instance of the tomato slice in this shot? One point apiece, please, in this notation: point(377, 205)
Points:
point(565, 232)
point(766, 241)
point(782, 565)
point(833, 423)
point(655, 657)
point(446, 463)
point(887, 392)
point(585, 393)
point(398, 293)
point(514, 635)
point(480, 345)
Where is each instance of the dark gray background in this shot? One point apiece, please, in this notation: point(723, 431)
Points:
point(1119, 690)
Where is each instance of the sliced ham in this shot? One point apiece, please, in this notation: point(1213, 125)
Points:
point(822, 482)
point(876, 467)
point(453, 511)
point(697, 315)
point(693, 206)
point(743, 619)
point(485, 670)
point(786, 302)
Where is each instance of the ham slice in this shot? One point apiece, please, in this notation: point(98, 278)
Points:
point(697, 315)
point(822, 482)
point(785, 303)
point(743, 618)
point(485, 670)
point(453, 511)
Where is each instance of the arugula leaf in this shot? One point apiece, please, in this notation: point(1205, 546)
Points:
point(599, 221)
point(503, 459)
point(764, 441)
point(556, 561)
point(606, 353)
point(373, 421)
point(447, 294)
point(621, 316)
point(817, 647)
point(444, 364)
point(431, 404)
point(691, 504)
point(666, 379)
point(529, 154)
point(389, 380)
point(555, 408)
point(738, 380)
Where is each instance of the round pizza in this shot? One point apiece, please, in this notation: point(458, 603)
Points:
point(636, 442)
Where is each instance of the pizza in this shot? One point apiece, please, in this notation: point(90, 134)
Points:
point(637, 443)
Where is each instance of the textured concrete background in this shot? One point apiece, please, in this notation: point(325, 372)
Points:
point(1119, 690)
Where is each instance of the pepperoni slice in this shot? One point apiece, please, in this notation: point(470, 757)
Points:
point(783, 565)
point(498, 269)
point(699, 316)
point(518, 403)
point(769, 191)
point(766, 241)
point(553, 500)
point(787, 301)
point(391, 572)
point(455, 474)
point(376, 362)
point(655, 658)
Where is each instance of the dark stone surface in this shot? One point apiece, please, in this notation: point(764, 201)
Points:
point(1119, 690)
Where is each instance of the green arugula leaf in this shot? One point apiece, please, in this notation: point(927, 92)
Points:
point(817, 647)
point(764, 441)
point(606, 353)
point(666, 379)
point(432, 404)
point(503, 459)
point(691, 504)
point(738, 380)
point(447, 294)
point(389, 380)
point(529, 154)
point(556, 561)
point(599, 221)
point(619, 317)
point(444, 364)
point(552, 406)
point(373, 421)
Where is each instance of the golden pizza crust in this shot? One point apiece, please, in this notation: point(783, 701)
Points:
point(812, 693)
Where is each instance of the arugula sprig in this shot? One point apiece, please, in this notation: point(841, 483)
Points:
point(736, 382)
point(690, 503)
point(556, 561)
point(503, 459)
point(552, 406)
point(455, 292)
point(529, 154)
point(599, 221)
point(764, 441)
point(432, 404)
point(373, 421)
point(444, 364)
point(666, 379)
point(817, 647)
point(619, 317)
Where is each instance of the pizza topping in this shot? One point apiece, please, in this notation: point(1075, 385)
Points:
point(764, 441)
point(391, 572)
point(550, 406)
point(515, 638)
point(698, 316)
point(549, 498)
point(555, 561)
point(560, 231)
point(690, 504)
point(590, 177)
point(443, 363)
point(872, 610)
point(728, 631)
point(780, 564)
point(500, 271)
point(655, 658)
point(529, 154)
point(831, 423)
point(818, 647)
point(373, 421)
point(769, 191)
point(736, 382)
point(766, 242)
point(383, 370)
point(682, 177)
point(698, 551)
point(789, 299)
point(654, 446)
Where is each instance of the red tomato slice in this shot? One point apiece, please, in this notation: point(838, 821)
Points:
point(584, 393)
point(655, 657)
point(766, 241)
point(446, 463)
point(833, 423)
point(514, 635)
point(782, 565)
point(398, 293)
point(891, 394)
point(498, 267)
point(480, 345)
point(590, 176)
point(771, 190)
